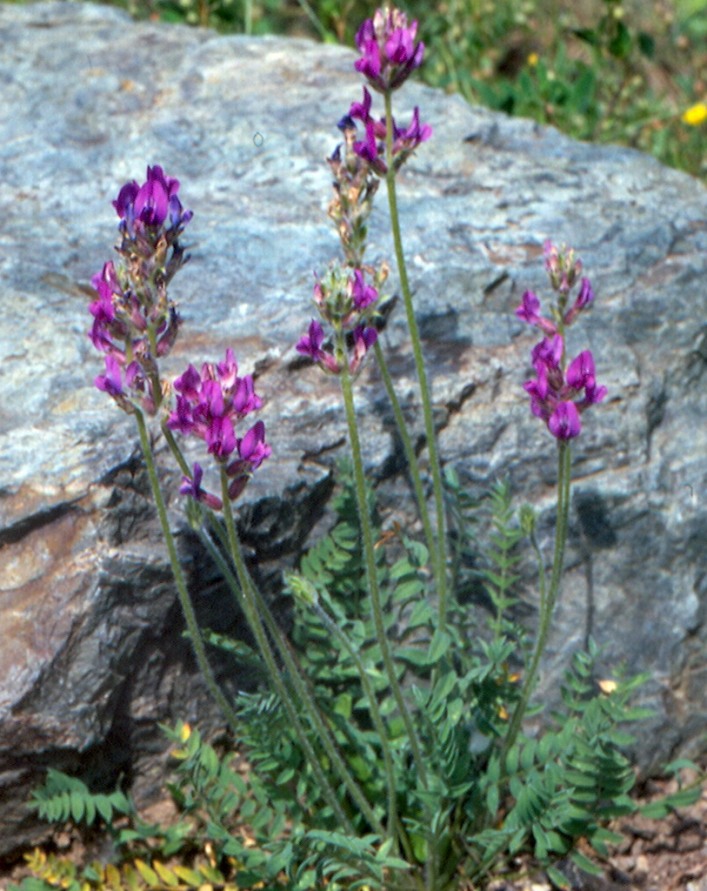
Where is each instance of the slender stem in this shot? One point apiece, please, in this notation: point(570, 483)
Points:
point(337, 632)
point(184, 599)
point(547, 604)
point(409, 450)
point(175, 450)
point(256, 626)
point(371, 569)
point(439, 559)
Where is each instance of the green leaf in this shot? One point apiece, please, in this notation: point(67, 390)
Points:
point(585, 864)
point(77, 806)
point(680, 764)
point(492, 799)
point(559, 881)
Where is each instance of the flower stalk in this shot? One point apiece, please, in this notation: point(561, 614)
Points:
point(439, 553)
point(372, 571)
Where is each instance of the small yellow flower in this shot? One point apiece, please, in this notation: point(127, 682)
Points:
point(695, 115)
point(533, 59)
point(185, 732)
point(608, 686)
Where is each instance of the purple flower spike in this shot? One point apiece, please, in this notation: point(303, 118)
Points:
point(388, 48)
point(564, 422)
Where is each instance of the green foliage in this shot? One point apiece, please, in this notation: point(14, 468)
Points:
point(483, 805)
point(64, 798)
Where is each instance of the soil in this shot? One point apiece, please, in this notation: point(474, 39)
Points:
point(656, 855)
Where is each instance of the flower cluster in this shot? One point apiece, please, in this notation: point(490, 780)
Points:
point(145, 209)
point(389, 51)
point(560, 393)
point(372, 147)
point(208, 406)
point(347, 304)
point(135, 325)
point(134, 322)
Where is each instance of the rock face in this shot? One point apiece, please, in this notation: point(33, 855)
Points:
point(92, 655)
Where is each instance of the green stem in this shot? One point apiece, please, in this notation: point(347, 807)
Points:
point(371, 569)
point(250, 609)
point(184, 599)
point(175, 450)
point(336, 632)
point(439, 559)
point(547, 604)
point(409, 450)
point(294, 673)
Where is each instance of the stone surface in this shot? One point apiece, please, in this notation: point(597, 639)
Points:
point(91, 654)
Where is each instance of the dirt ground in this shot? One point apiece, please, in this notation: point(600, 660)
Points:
point(656, 855)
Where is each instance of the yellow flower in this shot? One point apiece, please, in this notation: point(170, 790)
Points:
point(533, 59)
point(695, 115)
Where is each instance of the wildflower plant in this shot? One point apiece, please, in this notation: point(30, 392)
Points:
point(387, 748)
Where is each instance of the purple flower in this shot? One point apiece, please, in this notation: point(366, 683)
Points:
point(359, 111)
point(363, 338)
point(311, 344)
point(252, 447)
point(580, 373)
point(406, 141)
point(182, 418)
point(112, 381)
point(363, 295)
point(389, 50)
point(192, 487)
point(209, 405)
point(529, 311)
point(564, 422)
point(152, 203)
point(189, 384)
point(583, 299)
point(371, 150)
point(548, 352)
point(220, 437)
point(252, 451)
point(555, 395)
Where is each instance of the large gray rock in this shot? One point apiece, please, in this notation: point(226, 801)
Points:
point(91, 651)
